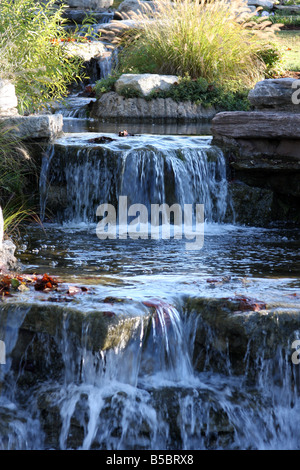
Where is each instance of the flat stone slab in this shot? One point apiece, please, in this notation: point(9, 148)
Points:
point(36, 127)
point(288, 8)
point(257, 125)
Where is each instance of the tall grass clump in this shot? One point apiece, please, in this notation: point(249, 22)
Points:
point(213, 39)
point(16, 171)
point(34, 52)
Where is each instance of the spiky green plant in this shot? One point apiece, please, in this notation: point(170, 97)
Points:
point(16, 167)
point(214, 39)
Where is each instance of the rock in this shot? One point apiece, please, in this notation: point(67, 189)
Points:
point(286, 9)
point(7, 249)
point(8, 261)
point(257, 125)
point(275, 94)
point(78, 15)
point(112, 105)
point(8, 99)
point(263, 151)
point(232, 322)
point(251, 205)
point(117, 28)
point(262, 3)
point(40, 127)
point(86, 51)
point(145, 83)
point(90, 4)
point(135, 6)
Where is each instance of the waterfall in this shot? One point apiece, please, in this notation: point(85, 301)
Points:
point(145, 173)
point(108, 62)
point(114, 398)
point(43, 181)
point(142, 392)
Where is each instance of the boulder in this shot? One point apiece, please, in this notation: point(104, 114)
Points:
point(8, 261)
point(135, 6)
point(279, 94)
point(288, 9)
point(262, 3)
point(36, 127)
point(117, 28)
point(8, 99)
point(145, 83)
point(90, 4)
point(113, 106)
point(7, 249)
point(262, 149)
point(251, 205)
point(86, 50)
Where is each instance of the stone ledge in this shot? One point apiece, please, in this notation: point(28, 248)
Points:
point(35, 127)
point(257, 125)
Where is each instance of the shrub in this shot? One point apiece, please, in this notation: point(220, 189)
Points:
point(199, 91)
point(106, 84)
point(33, 52)
point(213, 39)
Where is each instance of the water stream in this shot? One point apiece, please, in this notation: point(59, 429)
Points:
point(160, 350)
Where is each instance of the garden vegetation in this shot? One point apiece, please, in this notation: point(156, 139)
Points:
point(34, 52)
point(211, 40)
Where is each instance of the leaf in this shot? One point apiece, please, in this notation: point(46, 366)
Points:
point(15, 283)
point(46, 283)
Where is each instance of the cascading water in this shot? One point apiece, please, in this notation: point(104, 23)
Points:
point(155, 171)
point(143, 393)
point(152, 353)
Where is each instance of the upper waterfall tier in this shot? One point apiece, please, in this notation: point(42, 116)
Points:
point(85, 170)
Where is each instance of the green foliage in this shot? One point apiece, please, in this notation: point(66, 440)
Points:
point(291, 2)
point(199, 91)
point(214, 39)
point(16, 168)
point(185, 90)
point(272, 55)
point(286, 20)
point(34, 52)
point(128, 92)
point(106, 84)
point(15, 164)
point(231, 98)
